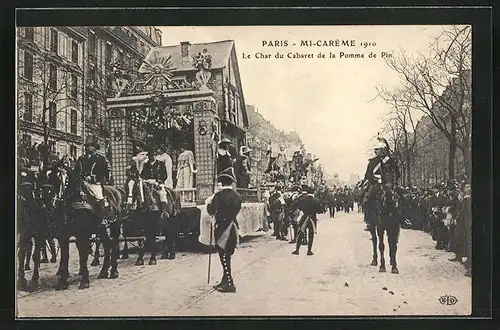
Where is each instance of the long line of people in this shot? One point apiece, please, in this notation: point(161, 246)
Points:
point(444, 211)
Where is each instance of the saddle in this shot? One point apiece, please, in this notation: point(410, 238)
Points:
point(112, 199)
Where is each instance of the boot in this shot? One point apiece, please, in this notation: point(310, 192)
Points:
point(224, 276)
point(226, 266)
point(164, 212)
point(100, 209)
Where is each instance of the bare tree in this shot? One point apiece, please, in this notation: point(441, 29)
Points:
point(53, 82)
point(441, 88)
point(400, 124)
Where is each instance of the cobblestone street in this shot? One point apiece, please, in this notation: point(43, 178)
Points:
point(337, 280)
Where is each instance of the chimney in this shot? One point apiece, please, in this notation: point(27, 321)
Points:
point(185, 49)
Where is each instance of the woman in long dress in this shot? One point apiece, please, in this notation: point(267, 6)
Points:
point(185, 169)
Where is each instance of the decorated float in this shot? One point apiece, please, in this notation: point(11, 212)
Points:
point(184, 99)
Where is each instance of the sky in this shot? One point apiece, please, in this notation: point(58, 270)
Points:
point(330, 102)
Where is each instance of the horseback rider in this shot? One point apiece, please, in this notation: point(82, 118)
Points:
point(155, 172)
point(94, 170)
point(382, 173)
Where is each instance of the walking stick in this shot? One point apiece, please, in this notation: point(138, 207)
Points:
point(210, 253)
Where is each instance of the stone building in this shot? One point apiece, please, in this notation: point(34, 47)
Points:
point(70, 69)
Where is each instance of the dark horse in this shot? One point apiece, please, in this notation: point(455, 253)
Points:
point(76, 216)
point(385, 218)
point(29, 210)
point(147, 220)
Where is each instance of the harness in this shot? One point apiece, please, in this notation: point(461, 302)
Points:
point(377, 167)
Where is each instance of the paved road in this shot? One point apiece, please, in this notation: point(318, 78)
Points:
point(337, 280)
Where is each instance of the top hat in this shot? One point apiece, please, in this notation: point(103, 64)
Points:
point(244, 150)
point(92, 141)
point(224, 142)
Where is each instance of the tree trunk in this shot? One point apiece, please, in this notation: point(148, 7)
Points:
point(467, 163)
point(408, 161)
point(453, 150)
point(451, 159)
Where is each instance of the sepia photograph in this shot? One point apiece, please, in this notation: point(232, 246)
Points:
point(243, 171)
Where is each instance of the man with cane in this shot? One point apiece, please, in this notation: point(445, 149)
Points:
point(225, 206)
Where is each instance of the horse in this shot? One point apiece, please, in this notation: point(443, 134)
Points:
point(28, 209)
point(75, 215)
point(146, 220)
point(385, 218)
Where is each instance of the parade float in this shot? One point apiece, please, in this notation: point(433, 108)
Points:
point(184, 99)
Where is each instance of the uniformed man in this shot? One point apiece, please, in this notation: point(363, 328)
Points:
point(382, 172)
point(94, 170)
point(154, 172)
point(310, 206)
point(277, 208)
point(225, 163)
point(225, 206)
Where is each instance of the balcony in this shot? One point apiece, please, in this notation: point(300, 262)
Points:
point(125, 36)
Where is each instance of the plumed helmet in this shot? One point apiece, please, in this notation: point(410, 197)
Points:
point(379, 145)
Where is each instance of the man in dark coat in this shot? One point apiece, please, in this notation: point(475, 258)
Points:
point(310, 206)
point(225, 206)
point(277, 208)
point(94, 170)
point(155, 173)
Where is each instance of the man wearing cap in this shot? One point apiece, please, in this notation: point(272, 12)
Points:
point(94, 170)
point(225, 206)
point(382, 172)
point(310, 206)
point(155, 173)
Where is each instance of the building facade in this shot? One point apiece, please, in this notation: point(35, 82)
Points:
point(63, 77)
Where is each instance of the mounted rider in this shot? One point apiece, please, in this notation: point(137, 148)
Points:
point(94, 170)
point(154, 172)
point(382, 173)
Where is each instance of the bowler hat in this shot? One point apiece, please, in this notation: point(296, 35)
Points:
point(92, 141)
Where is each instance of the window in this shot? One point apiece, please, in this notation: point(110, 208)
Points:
point(53, 77)
point(93, 112)
point(74, 52)
point(92, 43)
point(54, 41)
point(29, 33)
point(109, 54)
point(72, 151)
point(74, 121)
point(109, 83)
point(28, 65)
point(74, 86)
point(28, 107)
point(92, 76)
point(52, 115)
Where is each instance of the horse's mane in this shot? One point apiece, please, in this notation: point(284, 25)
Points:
point(114, 196)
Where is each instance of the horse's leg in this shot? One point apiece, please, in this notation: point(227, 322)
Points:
point(22, 284)
point(142, 248)
point(125, 249)
point(28, 254)
point(43, 249)
point(53, 250)
point(39, 243)
point(151, 238)
point(392, 236)
point(97, 253)
point(83, 251)
point(103, 238)
point(381, 246)
point(373, 232)
point(114, 249)
point(63, 271)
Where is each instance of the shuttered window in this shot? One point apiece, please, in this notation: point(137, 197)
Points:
point(54, 41)
point(52, 115)
point(74, 52)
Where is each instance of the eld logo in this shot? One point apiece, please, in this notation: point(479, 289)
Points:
point(448, 300)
